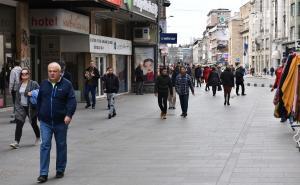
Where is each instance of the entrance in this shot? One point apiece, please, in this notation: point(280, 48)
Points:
point(101, 65)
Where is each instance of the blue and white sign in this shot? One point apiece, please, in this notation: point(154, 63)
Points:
point(168, 38)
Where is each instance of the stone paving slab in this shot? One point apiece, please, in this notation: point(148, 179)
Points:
point(216, 145)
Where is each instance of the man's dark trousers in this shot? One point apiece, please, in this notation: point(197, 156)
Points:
point(88, 89)
point(184, 102)
point(139, 87)
point(238, 87)
point(163, 102)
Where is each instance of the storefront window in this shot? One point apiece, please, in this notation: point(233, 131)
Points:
point(122, 72)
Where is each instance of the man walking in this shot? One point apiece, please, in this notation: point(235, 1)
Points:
point(239, 80)
point(139, 79)
point(183, 83)
point(163, 86)
point(111, 87)
point(56, 104)
point(91, 75)
point(14, 80)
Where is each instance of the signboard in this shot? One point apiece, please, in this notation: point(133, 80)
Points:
point(59, 20)
point(146, 8)
point(297, 45)
point(115, 2)
point(168, 38)
point(108, 45)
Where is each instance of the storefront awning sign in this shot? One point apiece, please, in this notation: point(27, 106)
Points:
point(59, 19)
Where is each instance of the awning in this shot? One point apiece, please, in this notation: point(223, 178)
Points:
point(72, 4)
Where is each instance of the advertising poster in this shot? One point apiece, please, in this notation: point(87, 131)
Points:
point(145, 56)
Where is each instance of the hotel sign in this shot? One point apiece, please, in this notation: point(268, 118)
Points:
point(59, 20)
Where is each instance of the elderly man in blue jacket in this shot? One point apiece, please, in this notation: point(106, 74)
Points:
point(56, 104)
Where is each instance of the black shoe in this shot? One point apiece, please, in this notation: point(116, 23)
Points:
point(283, 120)
point(228, 103)
point(182, 114)
point(225, 103)
point(93, 107)
point(170, 108)
point(237, 94)
point(185, 115)
point(244, 94)
point(109, 116)
point(87, 106)
point(42, 178)
point(114, 114)
point(59, 175)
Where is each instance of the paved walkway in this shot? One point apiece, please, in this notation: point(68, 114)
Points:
point(238, 145)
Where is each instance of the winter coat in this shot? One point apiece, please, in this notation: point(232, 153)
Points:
point(239, 75)
point(139, 74)
point(111, 83)
point(278, 74)
point(55, 103)
point(163, 84)
point(14, 78)
point(183, 83)
point(20, 112)
point(206, 73)
point(198, 72)
point(213, 79)
point(92, 80)
point(227, 78)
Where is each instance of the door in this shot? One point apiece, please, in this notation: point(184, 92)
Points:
point(101, 65)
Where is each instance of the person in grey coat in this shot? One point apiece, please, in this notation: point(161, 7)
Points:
point(24, 108)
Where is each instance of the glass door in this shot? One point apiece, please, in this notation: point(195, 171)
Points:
point(101, 65)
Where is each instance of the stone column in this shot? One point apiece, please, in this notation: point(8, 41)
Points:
point(22, 33)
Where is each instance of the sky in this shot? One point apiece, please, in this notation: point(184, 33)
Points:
point(188, 17)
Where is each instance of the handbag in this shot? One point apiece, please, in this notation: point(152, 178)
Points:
point(219, 88)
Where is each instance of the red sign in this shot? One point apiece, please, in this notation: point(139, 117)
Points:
point(115, 2)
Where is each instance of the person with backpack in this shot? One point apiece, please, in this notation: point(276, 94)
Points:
point(25, 108)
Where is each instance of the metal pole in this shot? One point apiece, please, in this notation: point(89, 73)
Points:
point(158, 32)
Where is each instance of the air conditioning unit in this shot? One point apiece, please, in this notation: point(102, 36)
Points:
point(141, 34)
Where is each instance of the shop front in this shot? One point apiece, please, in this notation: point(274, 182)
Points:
point(106, 52)
point(7, 51)
point(48, 29)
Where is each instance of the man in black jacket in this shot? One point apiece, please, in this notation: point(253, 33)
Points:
point(111, 87)
point(139, 79)
point(163, 86)
point(239, 80)
point(91, 75)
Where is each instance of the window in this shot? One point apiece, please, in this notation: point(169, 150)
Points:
point(267, 43)
point(293, 7)
point(292, 33)
point(298, 13)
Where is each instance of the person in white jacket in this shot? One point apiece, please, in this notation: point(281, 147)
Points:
point(14, 80)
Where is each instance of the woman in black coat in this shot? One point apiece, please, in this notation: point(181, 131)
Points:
point(214, 80)
point(227, 79)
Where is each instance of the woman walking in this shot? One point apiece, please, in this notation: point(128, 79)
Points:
point(227, 79)
point(214, 80)
point(24, 107)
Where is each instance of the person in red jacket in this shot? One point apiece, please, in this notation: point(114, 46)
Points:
point(278, 74)
point(206, 73)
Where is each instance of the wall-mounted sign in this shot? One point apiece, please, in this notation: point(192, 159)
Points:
point(168, 38)
point(108, 45)
point(59, 20)
point(147, 8)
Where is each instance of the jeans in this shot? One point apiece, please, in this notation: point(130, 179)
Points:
point(139, 87)
point(198, 82)
point(111, 103)
point(238, 87)
point(60, 134)
point(163, 102)
point(172, 99)
point(20, 124)
point(184, 102)
point(87, 90)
